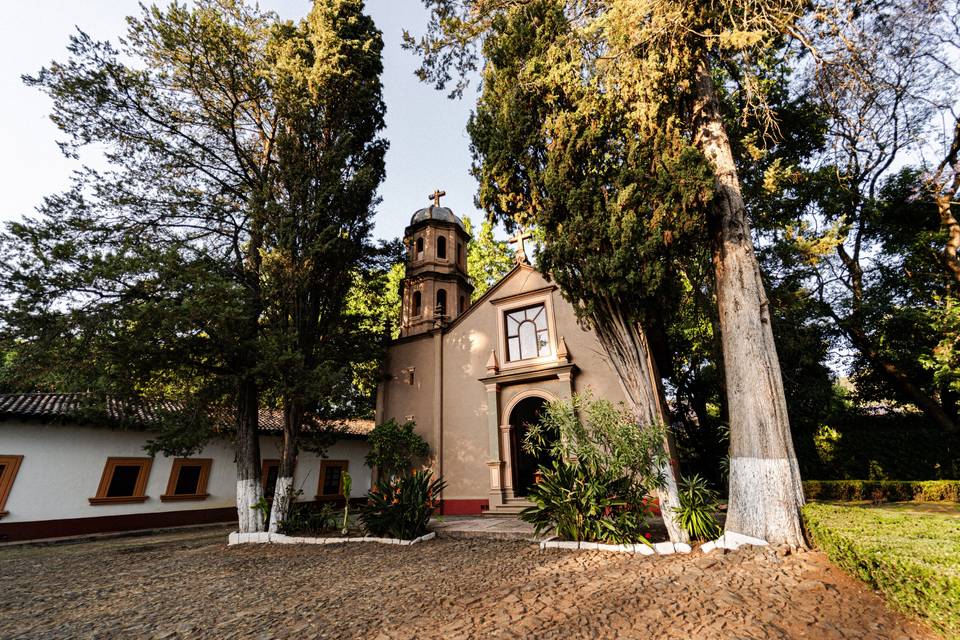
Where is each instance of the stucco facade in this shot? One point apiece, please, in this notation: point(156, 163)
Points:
point(62, 465)
point(462, 386)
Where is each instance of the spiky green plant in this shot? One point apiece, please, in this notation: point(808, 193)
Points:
point(698, 508)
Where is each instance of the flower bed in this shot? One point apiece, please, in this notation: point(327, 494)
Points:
point(279, 538)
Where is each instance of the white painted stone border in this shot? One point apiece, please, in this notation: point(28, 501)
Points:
point(279, 538)
point(658, 548)
point(731, 540)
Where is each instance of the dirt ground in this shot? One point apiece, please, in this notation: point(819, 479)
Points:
point(190, 585)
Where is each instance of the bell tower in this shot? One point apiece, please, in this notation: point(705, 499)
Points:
point(436, 289)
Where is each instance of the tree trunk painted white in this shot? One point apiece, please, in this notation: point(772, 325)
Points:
point(283, 495)
point(628, 349)
point(765, 489)
point(249, 490)
point(282, 499)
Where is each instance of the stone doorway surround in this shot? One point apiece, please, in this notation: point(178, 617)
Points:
point(502, 498)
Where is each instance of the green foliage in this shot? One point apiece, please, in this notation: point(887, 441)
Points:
point(602, 437)
point(401, 507)
point(347, 486)
point(697, 513)
point(488, 259)
point(911, 559)
point(883, 490)
point(578, 502)
point(895, 446)
point(395, 449)
point(603, 466)
point(309, 519)
point(219, 246)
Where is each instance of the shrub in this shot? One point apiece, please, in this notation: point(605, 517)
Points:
point(395, 449)
point(913, 559)
point(883, 490)
point(400, 507)
point(309, 518)
point(698, 508)
point(604, 464)
point(578, 503)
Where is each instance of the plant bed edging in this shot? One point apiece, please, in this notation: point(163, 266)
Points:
point(279, 538)
point(659, 548)
point(731, 540)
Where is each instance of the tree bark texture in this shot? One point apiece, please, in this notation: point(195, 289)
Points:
point(629, 352)
point(283, 495)
point(249, 489)
point(765, 489)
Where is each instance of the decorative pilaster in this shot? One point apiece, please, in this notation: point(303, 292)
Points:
point(495, 463)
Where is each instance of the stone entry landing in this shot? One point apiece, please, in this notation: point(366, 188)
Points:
point(489, 527)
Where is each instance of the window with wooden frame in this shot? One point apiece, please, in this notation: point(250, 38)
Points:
point(9, 466)
point(188, 479)
point(269, 471)
point(331, 479)
point(123, 480)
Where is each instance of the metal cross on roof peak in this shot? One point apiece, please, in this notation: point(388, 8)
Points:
point(436, 195)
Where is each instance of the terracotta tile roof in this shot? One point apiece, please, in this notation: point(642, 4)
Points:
point(81, 406)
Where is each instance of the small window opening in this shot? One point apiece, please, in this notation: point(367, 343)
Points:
point(269, 473)
point(417, 303)
point(442, 248)
point(419, 247)
point(123, 480)
point(188, 479)
point(442, 302)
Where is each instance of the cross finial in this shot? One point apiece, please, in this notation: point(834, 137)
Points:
point(520, 253)
point(436, 195)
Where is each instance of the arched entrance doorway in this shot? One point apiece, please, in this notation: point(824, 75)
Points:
point(524, 465)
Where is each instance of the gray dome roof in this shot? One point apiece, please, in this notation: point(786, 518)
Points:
point(432, 212)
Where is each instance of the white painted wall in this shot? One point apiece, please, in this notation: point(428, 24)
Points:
point(62, 466)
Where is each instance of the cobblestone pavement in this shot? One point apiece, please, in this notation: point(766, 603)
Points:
point(190, 585)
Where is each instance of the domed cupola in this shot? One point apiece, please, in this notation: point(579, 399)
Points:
point(436, 288)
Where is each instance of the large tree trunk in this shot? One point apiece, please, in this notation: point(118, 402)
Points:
point(626, 345)
point(283, 495)
point(765, 489)
point(249, 490)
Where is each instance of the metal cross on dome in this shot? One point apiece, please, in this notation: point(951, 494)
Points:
point(436, 195)
point(520, 253)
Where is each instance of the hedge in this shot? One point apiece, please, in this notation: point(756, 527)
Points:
point(883, 490)
point(913, 559)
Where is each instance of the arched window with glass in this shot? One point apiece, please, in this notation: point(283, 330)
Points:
point(528, 333)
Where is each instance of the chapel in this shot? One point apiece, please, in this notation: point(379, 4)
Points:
point(472, 375)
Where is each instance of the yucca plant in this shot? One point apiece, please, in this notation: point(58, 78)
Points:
point(698, 508)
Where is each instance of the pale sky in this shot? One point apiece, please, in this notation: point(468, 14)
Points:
point(429, 147)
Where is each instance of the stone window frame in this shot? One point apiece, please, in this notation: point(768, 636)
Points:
point(416, 306)
point(516, 302)
point(178, 464)
point(344, 466)
point(139, 488)
point(441, 247)
point(11, 465)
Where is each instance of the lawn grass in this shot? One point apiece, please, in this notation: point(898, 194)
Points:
point(912, 558)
